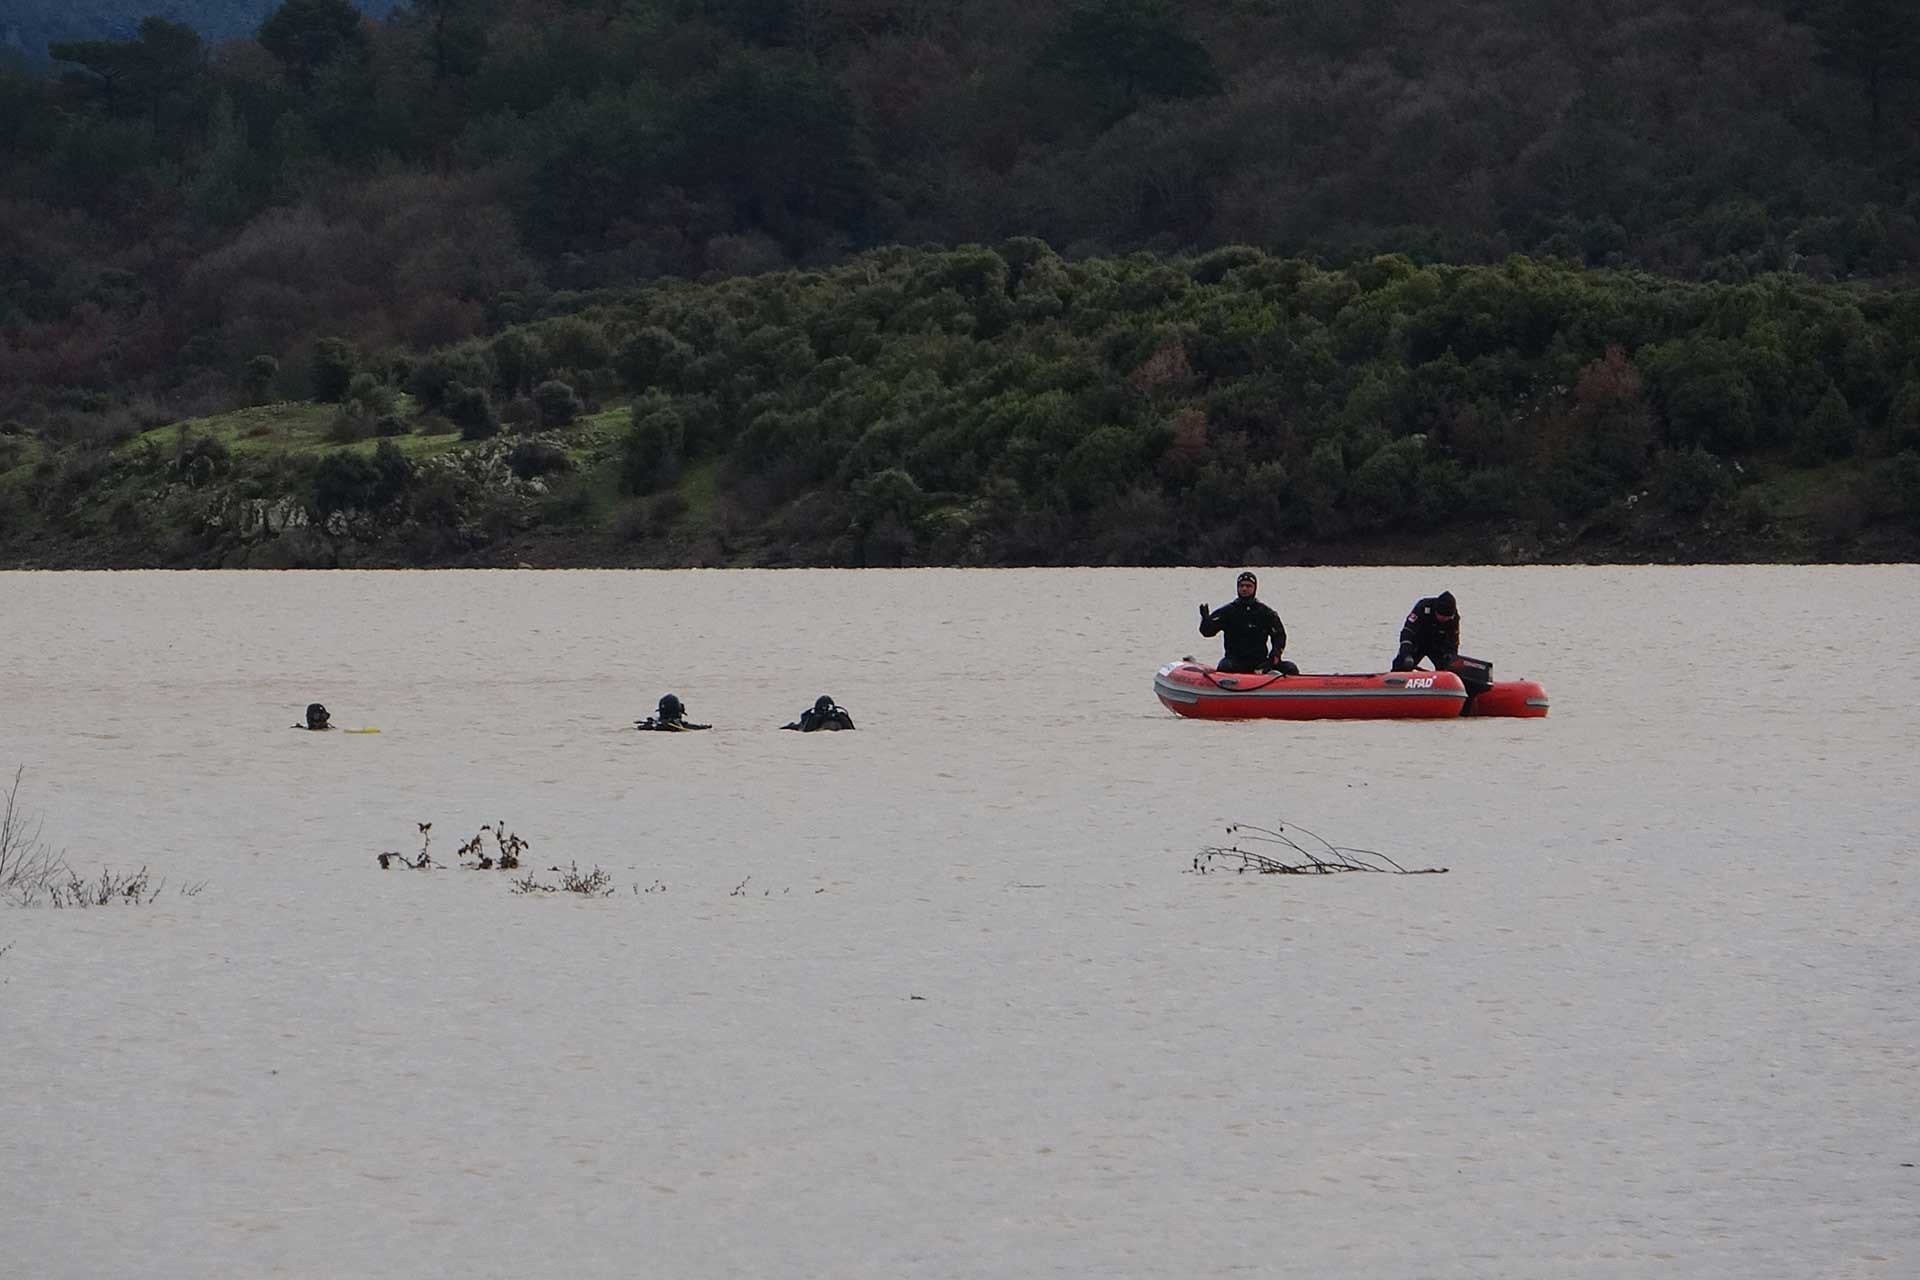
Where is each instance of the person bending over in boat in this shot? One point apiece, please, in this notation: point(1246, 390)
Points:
point(317, 718)
point(671, 717)
point(1255, 635)
point(824, 714)
point(1432, 631)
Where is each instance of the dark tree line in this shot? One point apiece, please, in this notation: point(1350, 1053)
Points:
point(170, 213)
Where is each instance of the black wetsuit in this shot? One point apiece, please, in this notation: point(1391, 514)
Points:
point(1255, 636)
point(1426, 635)
point(812, 721)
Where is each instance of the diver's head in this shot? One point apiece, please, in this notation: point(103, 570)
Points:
point(1246, 584)
point(671, 708)
point(1443, 606)
point(316, 716)
point(822, 705)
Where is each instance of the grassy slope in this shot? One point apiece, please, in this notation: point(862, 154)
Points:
point(1792, 508)
point(293, 427)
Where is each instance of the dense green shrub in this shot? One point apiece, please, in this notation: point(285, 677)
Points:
point(331, 369)
point(569, 501)
point(434, 374)
point(519, 359)
point(1212, 268)
point(1903, 418)
point(1382, 488)
point(349, 426)
point(888, 496)
point(1826, 433)
point(366, 394)
point(1902, 477)
point(651, 450)
point(199, 459)
point(258, 377)
point(347, 480)
point(1105, 464)
point(557, 403)
point(530, 458)
point(1688, 481)
point(470, 409)
point(654, 357)
point(573, 343)
point(1704, 387)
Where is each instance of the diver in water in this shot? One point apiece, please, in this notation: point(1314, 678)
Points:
point(670, 717)
point(1431, 631)
point(823, 715)
point(317, 718)
point(1255, 635)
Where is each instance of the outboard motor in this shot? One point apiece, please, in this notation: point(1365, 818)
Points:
point(1475, 673)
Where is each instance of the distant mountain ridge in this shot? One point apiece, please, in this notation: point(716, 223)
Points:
point(27, 27)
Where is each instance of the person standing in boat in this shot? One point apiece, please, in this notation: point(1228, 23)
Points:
point(1255, 636)
point(1431, 631)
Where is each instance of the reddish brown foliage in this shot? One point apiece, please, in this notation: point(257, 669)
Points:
point(1190, 432)
point(1166, 367)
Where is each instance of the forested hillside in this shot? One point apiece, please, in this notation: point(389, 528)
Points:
point(1006, 406)
point(185, 229)
point(27, 27)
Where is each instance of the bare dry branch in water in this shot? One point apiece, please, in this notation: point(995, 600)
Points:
point(1282, 855)
point(588, 884)
point(32, 874)
point(137, 889)
point(27, 865)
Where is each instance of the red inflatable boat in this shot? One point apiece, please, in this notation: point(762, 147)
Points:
point(1526, 699)
point(1201, 692)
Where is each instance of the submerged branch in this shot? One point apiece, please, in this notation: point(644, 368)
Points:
point(1318, 857)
